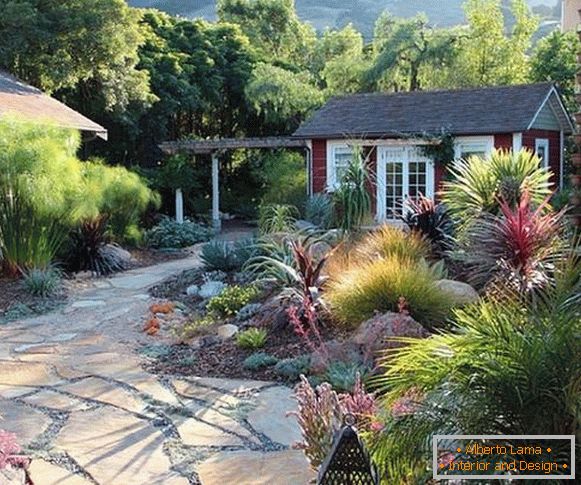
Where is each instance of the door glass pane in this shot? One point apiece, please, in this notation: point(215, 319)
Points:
point(417, 178)
point(394, 189)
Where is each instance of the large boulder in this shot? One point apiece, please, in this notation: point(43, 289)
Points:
point(376, 334)
point(227, 331)
point(460, 293)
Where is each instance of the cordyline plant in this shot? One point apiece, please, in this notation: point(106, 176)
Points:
point(321, 413)
point(10, 454)
point(431, 221)
point(519, 247)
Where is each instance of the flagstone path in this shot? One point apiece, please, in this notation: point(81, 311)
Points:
point(73, 389)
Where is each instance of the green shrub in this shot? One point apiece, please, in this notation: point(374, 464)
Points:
point(479, 184)
point(292, 369)
point(232, 299)
point(42, 282)
point(276, 218)
point(193, 327)
point(170, 234)
point(343, 375)
point(356, 293)
point(259, 360)
point(284, 177)
point(252, 339)
point(119, 194)
point(320, 210)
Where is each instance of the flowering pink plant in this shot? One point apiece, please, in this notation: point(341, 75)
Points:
point(321, 413)
point(10, 454)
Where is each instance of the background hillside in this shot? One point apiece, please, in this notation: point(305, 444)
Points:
point(362, 13)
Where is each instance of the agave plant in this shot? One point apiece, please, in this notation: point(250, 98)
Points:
point(519, 247)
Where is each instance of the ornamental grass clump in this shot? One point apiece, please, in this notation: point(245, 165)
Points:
point(359, 291)
point(389, 241)
point(252, 339)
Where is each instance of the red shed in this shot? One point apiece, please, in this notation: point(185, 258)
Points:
point(389, 128)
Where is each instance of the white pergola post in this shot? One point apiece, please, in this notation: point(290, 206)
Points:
point(179, 206)
point(215, 193)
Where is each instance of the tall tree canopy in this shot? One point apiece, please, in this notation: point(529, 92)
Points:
point(406, 52)
point(486, 55)
point(76, 44)
point(274, 27)
point(555, 59)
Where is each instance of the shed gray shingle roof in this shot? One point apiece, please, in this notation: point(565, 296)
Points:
point(31, 103)
point(503, 109)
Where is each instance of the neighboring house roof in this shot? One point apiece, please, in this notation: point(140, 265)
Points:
point(503, 109)
point(31, 103)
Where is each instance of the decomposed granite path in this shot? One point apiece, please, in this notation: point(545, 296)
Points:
point(73, 389)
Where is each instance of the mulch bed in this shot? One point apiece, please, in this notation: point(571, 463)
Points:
point(16, 302)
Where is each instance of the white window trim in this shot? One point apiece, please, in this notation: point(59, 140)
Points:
point(381, 190)
point(487, 143)
point(516, 142)
point(332, 182)
point(543, 142)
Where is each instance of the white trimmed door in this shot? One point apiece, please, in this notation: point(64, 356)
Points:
point(402, 173)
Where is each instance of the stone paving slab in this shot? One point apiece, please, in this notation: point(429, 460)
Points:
point(45, 473)
point(73, 386)
point(255, 468)
point(116, 448)
point(25, 422)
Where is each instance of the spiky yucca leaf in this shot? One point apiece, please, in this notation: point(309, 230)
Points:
point(477, 183)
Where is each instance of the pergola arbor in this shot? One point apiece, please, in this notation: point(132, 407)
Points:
point(216, 147)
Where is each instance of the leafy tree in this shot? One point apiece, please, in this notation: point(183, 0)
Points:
point(488, 56)
point(406, 51)
point(83, 45)
point(555, 59)
point(274, 27)
point(282, 98)
point(339, 60)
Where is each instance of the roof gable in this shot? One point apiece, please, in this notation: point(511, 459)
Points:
point(31, 103)
point(503, 109)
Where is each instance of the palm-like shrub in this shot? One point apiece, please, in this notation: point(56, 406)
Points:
point(352, 197)
point(519, 247)
point(505, 369)
point(355, 293)
point(432, 221)
point(479, 184)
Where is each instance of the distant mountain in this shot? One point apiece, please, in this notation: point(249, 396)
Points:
point(362, 13)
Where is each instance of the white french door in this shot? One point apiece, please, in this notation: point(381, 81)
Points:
point(402, 173)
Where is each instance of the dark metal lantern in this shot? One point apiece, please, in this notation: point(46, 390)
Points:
point(348, 463)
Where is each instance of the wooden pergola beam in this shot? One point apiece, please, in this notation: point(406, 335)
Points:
point(208, 147)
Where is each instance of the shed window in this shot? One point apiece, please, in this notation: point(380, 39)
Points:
point(473, 147)
point(342, 156)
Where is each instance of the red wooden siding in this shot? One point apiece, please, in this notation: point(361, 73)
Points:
point(503, 141)
point(319, 165)
point(554, 137)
